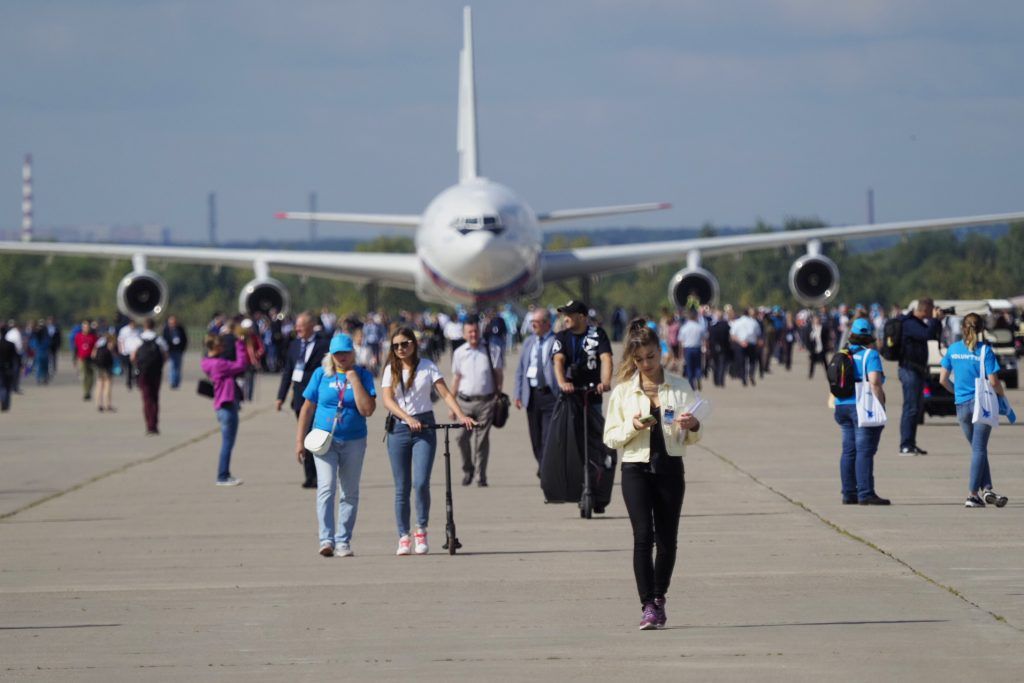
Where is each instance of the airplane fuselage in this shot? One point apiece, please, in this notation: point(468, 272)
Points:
point(478, 243)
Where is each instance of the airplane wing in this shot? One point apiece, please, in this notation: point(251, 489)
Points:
point(572, 214)
point(394, 270)
point(583, 261)
point(399, 220)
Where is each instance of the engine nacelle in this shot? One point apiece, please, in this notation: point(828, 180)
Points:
point(142, 294)
point(814, 279)
point(695, 281)
point(263, 295)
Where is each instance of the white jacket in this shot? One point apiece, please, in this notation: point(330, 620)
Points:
point(628, 399)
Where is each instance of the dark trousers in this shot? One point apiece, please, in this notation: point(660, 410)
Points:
point(538, 418)
point(913, 384)
point(720, 363)
point(5, 390)
point(149, 386)
point(654, 502)
point(815, 359)
point(308, 463)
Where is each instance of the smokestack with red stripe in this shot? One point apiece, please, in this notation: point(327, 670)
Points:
point(26, 199)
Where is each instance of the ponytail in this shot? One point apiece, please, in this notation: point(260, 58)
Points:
point(972, 327)
point(638, 335)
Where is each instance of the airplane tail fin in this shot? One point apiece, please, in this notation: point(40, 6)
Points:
point(468, 162)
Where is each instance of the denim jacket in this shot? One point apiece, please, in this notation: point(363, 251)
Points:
point(628, 399)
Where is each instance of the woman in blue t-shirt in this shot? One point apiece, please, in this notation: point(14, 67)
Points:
point(963, 360)
point(857, 460)
point(338, 379)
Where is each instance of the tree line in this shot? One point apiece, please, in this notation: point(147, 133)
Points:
point(940, 264)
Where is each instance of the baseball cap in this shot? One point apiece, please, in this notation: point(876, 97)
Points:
point(341, 342)
point(574, 307)
point(861, 326)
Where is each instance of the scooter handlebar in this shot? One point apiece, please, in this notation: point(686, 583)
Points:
point(445, 425)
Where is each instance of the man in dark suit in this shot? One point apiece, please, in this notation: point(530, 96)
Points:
point(304, 355)
point(536, 386)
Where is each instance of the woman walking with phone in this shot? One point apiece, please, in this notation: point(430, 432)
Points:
point(649, 419)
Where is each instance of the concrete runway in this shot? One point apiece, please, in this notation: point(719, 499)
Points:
point(122, 561)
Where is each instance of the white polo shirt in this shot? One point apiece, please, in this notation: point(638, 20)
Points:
point(476, 378)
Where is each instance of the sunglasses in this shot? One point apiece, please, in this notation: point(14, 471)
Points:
point(402, 344)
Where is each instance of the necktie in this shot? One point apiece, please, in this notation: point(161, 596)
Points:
point(541, 380)
point(302, 351)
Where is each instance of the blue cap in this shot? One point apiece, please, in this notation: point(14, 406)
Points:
point(341, 342)
point(861, 326)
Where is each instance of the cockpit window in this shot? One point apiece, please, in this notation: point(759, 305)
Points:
point(468, 224)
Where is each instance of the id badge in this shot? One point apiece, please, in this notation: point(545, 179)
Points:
point(297, 372)
point(531, 373)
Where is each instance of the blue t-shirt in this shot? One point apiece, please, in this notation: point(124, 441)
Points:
point(323, 391)
point(964, 364)
point(874, 365)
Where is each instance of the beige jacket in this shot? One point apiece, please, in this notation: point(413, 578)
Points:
point(628, 399)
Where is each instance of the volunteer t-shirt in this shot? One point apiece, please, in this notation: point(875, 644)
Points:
point(324, 390)
point(583, 354)
point(416, 398)
point(874, 365)
point(964, 364)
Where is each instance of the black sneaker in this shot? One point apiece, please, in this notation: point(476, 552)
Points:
point(974, 502)
point(873, 499)
point(993, 498)
point(467, 479)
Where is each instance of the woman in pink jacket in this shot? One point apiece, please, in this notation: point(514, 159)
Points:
point(222, 373)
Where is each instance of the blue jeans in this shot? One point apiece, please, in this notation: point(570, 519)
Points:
point(913, 385)
point(692, 365)
point(977, 435)
point(175, 375)
point(227, 416)
point(412, 458)
point(857, 459)
point(343, 462)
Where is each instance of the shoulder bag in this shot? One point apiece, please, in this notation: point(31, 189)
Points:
point(986, 404)
point(500, 406)
point(870, 411)
point(318, 441)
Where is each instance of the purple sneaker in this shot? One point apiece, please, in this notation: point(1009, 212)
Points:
point(659, 606)
point(650, 619)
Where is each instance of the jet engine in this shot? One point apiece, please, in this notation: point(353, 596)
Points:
point(814, 279)
point(262, 295)
point(693, 280)
point(142, 294)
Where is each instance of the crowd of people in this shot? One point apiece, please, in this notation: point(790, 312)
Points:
point(332, 372)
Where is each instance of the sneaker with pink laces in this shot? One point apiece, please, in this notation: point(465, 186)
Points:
point(421, 542)
point(404, 545)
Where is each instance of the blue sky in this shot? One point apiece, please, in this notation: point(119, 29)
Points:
point(732, 111)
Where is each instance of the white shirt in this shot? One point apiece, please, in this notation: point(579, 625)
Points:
point(475, 376)
point(745, 329)
point(691, 334)
point(14, 336)
point(128, 340)
point(415, 399)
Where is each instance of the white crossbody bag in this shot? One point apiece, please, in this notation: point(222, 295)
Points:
point(986, 404)
point(318, 441)
point(870, 411)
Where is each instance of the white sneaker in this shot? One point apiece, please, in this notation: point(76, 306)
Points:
point(230, 481)
point(993, 498)
point(421, 542)
point(404, 545)
point(343, 550)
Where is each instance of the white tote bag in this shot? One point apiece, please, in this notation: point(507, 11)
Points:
point(986, 404)
point(870, 412)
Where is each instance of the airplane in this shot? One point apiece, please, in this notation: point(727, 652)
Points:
point(478, 243)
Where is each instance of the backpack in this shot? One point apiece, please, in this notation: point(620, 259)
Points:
point(149, 359)
point(841, 374)
point(892, 339)
point(104, 358)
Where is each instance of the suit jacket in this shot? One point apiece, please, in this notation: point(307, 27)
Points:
point(320, 347)
point(522, 388)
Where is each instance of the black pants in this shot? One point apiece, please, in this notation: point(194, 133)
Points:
point(538, 418)
point(308, 463)
point(815, 359)
point(654, 502)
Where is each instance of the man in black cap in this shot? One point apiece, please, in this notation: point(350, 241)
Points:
point(582, 353)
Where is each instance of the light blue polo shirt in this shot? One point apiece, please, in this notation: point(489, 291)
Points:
point(874, 365)
point(323, 391)
point(964, 364)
